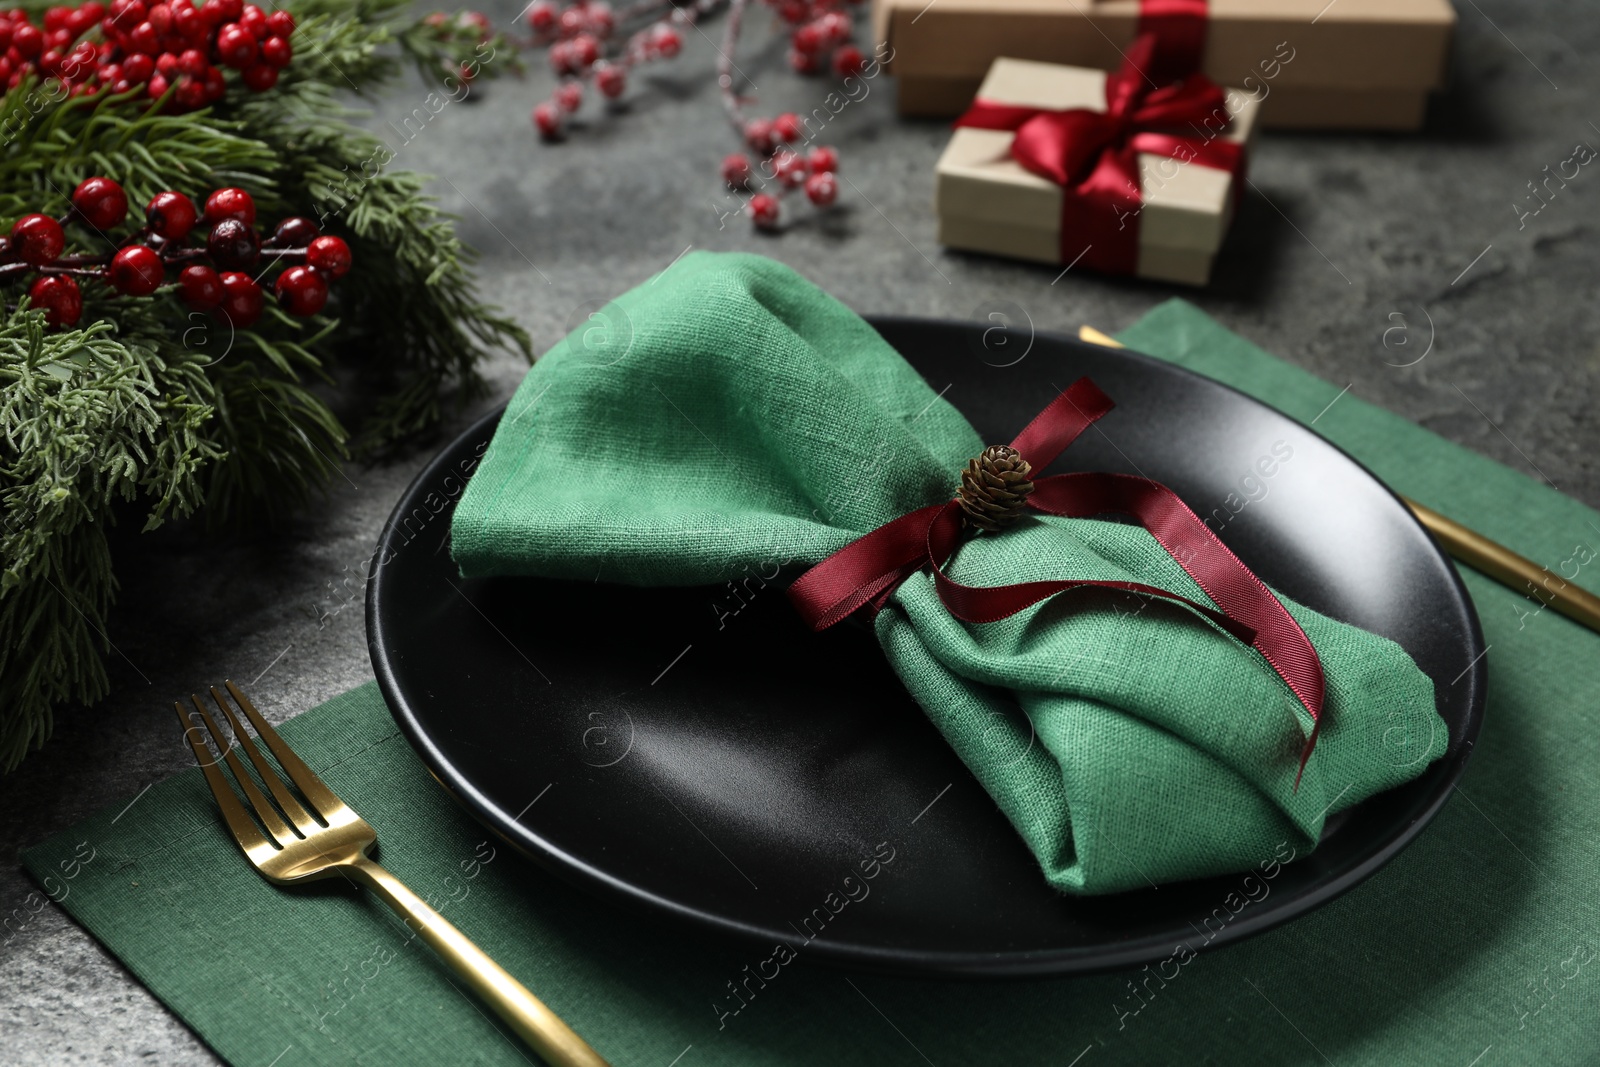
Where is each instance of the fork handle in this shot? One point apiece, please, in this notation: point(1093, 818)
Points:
point(524, 1012)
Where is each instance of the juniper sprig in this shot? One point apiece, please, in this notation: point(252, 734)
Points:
point(146, 408)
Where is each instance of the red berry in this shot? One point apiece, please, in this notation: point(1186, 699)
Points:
point(259, 77)
point(216, 85)
point(101, 202)
point(201, 287)
point(280, 24)
point(191, 26)
point(160, 17)
point(191, 94)
point(294, 232)
point(236, 46)
point(562, 59)
point(736, 170)
point(255, 20)
point(807, 38)
point(823, 159)
point(611, 80)
point(569, 96)
point(547, 117)
point(167, 65)
point(144, 39)
point(136, 271)
point(764, 211)
point(570, 22)
point(5, 35)
point(835, 25)
point(127, 13)
point(170, 215)
point(138, 68)
point(27, 40)
point(758, 135)
point(37, 239)
point(786, 128)
point(226, 10)
point(789, 167)
point(585, 48)
point(242, 299)
point(666, 40)
point(601, 22)
point(848, 61)
point(793, 11)
point(233, 244)
point(542, 16)
point(329, 255)
point(193, 62)
point(822, 188)
point(230, 203)
point(276, 52)
point(302, 291)
point(58, 296)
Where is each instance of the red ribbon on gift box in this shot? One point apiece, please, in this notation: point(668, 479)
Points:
point(866, 572)
point(1179, 27)
point(1094, 155)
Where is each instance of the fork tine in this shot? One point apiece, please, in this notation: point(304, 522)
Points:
point(322, 798)
point(243, 828)
point(280, 792)
point(264, 809)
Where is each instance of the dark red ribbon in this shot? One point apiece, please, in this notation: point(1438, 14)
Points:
point(867, 571)
point(1094, 155)
point(1179, 27)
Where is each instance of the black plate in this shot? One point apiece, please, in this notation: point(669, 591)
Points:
point(731, 769)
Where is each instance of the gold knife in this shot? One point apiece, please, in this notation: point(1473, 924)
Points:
point(1472, 548)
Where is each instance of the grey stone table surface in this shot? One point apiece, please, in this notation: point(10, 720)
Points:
point(1352, 253)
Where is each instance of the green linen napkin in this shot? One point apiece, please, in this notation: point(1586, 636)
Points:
point(755, 418)
point(1475, 947)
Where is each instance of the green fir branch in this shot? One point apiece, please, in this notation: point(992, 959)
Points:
point(170, 413)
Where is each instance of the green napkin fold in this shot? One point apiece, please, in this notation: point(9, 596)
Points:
point(1477, 945)
point(753, 418)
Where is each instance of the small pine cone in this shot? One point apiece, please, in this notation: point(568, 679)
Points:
point(995, 487)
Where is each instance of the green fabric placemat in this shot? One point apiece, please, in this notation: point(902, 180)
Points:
point(1478, 946)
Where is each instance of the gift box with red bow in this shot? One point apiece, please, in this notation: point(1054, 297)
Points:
point(1349, 64)
point(1111, 172)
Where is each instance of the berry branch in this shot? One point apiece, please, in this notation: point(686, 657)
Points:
point(582, 42)
point(139, 268)
point(165, 46)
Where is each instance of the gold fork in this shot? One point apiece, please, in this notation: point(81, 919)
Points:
point(335, 843)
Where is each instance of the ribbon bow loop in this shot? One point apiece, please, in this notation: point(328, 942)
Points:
point(866, 572)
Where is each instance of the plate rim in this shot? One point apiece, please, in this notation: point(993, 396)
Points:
point(956, 965)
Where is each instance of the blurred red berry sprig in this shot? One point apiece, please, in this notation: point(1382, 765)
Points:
point(213, 273)
point(175, 44)
point(462, 44)
point(589, 42)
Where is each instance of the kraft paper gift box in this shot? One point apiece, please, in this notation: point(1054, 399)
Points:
point(987, 202)
point(1350, 64)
